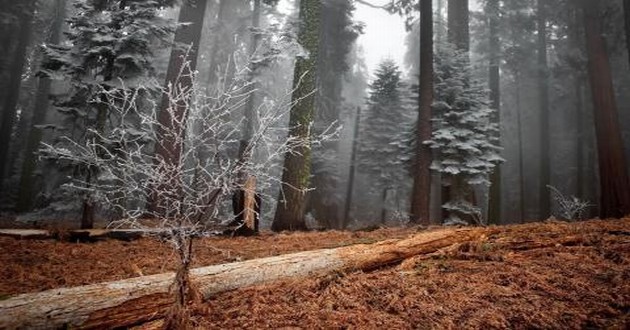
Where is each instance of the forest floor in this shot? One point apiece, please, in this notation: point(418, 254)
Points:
point(540, 275)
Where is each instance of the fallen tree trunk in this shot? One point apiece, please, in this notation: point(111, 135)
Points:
point(133, 301)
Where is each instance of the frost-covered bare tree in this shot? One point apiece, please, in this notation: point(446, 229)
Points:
point(190, 190)
point(569, 207)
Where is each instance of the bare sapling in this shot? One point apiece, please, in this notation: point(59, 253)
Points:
point(202, 171)
point(570, 207)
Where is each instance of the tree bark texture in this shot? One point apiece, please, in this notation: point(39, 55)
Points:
point(614, 182)
point(133, 301)
point(297, 164)
point(421, 193)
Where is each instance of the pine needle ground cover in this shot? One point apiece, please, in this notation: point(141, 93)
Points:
point(545, 275)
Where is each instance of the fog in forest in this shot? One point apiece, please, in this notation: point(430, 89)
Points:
point(328, 114)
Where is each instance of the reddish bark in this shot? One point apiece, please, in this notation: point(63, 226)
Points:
point(614, 182)
point(421, 197)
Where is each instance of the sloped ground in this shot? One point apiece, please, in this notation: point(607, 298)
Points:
point(550, 275)
point(538, 276)
point(38, 265)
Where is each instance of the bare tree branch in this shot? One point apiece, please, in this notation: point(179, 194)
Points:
point(371, 5)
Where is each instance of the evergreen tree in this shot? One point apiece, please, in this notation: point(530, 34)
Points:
point(464, 137)
point(379, 153)
point(108, 42)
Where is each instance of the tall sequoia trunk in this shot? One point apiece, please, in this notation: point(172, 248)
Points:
point(494, 78)
point(9, 108)
point(543, 99)
point(297, 164)
point(185, 62)
point(421, 194)
point(614, 182)
point(26, 192)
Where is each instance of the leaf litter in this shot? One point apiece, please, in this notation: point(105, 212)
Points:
point(550, 275)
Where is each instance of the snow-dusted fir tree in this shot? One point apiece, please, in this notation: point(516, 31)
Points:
point(108, 42)
point(466, 150)
point(386, 114)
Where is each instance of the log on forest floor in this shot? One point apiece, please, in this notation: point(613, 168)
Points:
point(133, 301)
point(80, 234)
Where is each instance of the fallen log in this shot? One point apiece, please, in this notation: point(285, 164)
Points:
point(137, 300)
point(84, 235)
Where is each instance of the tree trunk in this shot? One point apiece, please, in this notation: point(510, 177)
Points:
point(297, 164)
point(353, 159)
point(458, 21)
point(384, 206)
point(182, 64)
point(494, 78)
point(440, 29)
point(543, 99)
point(246, 150)
point(9, 109)
point(421, 193)
point(335, 42)
point(521, 158)
point(228, 24)
point(26, 191)
point(626, 10)
point(614, 182)
point(133, 301)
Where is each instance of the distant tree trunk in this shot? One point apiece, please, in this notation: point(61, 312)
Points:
point(626, 10)
point(421, 193)
point(213, 74)
point(458, 21)
point(248, 182)
point(184, 63)
point(297, 165)
point(384, 206)
point(494, 79)
point(576, 41)
point(26, 192)
point(439, 22)
point(543, 99)
point(353, 159)
point(9, 109)
point(521, 158)
point(335, 43)
point(222, 66)
point(614, 182)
